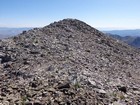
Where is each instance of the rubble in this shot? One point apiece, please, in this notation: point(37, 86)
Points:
point(68, 63)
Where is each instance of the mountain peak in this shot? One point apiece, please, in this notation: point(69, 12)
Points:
point(71, 23)
point(68, 62)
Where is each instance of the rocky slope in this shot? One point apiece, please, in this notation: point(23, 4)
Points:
point(68, 63)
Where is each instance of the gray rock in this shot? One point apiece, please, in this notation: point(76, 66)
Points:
point(68, 62)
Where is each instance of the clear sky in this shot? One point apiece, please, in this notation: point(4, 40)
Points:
point(121, 14)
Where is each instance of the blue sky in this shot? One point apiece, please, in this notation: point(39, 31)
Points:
point(112, 14)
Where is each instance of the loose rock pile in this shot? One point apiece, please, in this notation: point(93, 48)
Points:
point(68, 63)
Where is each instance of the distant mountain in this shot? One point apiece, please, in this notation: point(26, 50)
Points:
point(136, 42)
point(135, 32)
point(131, 37)
point(8, 32)
point(131, 40)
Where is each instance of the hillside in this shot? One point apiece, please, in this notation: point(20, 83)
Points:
point(68, 63)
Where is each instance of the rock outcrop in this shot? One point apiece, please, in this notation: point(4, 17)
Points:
point(68, 63)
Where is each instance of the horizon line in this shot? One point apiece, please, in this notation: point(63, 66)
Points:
point(99, 28)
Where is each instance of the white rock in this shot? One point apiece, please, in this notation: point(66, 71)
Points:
point(100, 91)
point(117, 103)
point(92, 82)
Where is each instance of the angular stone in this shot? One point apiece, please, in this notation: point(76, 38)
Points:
point(62, 86)
point(28, 103)
point(122, 89)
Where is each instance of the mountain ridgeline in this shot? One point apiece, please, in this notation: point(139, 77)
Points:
point(131, 40)
point(8, 32)
point(68, 63)
point(129, 32)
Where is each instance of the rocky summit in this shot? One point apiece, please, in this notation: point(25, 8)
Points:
point(68, 63)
